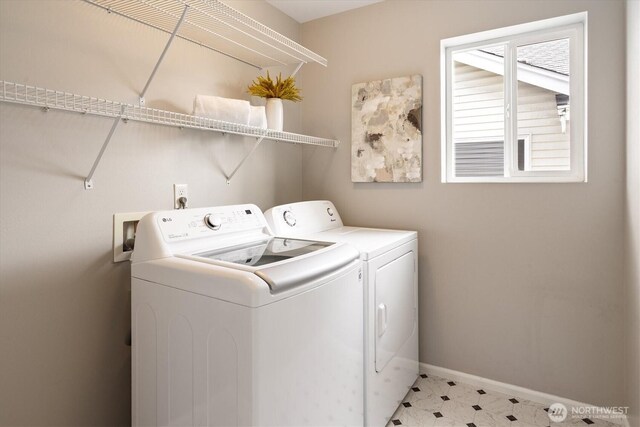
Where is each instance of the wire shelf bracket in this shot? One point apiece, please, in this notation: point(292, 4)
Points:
point(164, 52)
point(253, 149)
point(88, 182)
point(297, 69)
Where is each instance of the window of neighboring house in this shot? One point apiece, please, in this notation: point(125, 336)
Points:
point(514, 103)
point(485, 158)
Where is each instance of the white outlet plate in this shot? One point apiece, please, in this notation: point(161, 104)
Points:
point(180, 190)
point(119, 220)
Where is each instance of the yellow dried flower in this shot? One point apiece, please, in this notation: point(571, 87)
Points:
point(264, 87)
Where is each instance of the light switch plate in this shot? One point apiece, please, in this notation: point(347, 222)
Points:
point(124, 225)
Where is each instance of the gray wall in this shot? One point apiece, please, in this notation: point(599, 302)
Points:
point(64, 306)
point(633, 212)
point(518, 283)
point(521, 283)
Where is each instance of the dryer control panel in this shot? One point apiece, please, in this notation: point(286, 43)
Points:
point(303, 218)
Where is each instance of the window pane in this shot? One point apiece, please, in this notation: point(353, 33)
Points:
point(522, 162)
point(478, 112)
point(543, 104)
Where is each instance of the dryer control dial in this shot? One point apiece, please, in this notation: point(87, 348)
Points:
point(289, 218)
point(213, 222)
point(330, 211)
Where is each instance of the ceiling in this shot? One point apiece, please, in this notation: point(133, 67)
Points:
point(308, 10)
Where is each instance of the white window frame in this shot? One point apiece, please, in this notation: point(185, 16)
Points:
point(573, 27)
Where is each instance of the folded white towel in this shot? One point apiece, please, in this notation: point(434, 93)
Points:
point(258, 117)
point(225, 109)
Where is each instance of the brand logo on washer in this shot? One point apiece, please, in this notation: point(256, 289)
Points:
point(166, 220)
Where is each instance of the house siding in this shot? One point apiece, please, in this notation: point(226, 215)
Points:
point(478, 114)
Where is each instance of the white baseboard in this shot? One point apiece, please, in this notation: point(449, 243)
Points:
point(510, 389)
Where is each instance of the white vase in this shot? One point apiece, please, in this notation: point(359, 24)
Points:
point(275, 116)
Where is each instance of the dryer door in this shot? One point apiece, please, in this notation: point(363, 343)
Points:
point(394, 307)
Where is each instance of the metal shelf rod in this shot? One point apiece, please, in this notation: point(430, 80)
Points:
point(88, 183)
point(255, 147)
point(297, 69)
point(166, 47)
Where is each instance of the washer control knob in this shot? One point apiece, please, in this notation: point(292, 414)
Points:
point(289, 218)
point(330, 211)
point(213, 222)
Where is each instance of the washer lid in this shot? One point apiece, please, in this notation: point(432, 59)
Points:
point(264, 252)
point(282, 263)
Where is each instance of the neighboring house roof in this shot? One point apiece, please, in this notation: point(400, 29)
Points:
point(542, 64)
point(551, 56)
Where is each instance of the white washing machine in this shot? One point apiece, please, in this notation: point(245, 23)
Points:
point(390, 263)
point(233, 326)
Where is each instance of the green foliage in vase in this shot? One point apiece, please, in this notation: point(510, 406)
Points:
point(264, 87)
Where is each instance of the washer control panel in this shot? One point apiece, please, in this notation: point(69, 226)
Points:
point(289, 218)
point(214, 222)
point(183, 224)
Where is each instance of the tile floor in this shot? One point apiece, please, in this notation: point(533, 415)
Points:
point(435, 401)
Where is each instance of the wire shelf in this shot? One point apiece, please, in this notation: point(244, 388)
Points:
point(53, 99)
point(214, 25)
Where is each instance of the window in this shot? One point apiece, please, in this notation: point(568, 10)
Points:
point(514, 103)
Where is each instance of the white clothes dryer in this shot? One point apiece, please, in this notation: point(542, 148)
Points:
point(390, 264)
point(232, 326)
